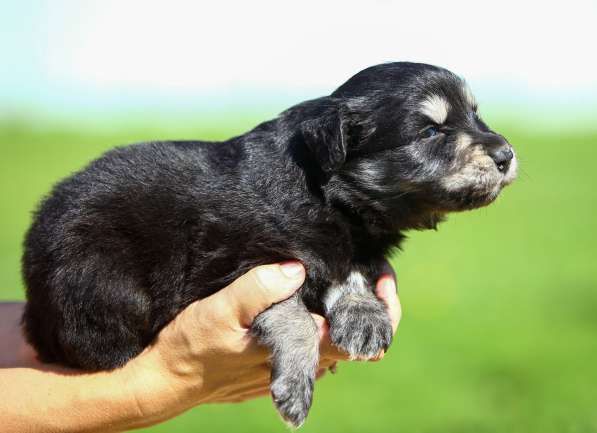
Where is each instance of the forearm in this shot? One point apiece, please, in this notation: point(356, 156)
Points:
point(38, 397)
point(53, 400)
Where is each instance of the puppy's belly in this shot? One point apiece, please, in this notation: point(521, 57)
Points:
point(107, 294)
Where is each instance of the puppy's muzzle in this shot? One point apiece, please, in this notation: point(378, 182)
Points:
point(502, 157)
point(498, 148)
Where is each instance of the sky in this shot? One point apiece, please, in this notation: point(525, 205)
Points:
point(109, 56)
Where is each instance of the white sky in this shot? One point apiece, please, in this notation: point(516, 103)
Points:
point(114, 52)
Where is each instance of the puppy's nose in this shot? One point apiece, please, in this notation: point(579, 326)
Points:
point(502, 157)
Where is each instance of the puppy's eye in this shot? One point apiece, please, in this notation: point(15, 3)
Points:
point(430, 131)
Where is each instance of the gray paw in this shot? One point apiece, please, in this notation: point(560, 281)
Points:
point(292, 393)
point(289, 331)
point(360, 326)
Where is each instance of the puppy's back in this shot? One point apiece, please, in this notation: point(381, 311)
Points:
point(104, 244)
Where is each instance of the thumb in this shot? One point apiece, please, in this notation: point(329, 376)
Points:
point(261, 287)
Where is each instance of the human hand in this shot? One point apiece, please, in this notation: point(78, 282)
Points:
point(206, 354)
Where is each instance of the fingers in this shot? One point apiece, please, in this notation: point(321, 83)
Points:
point(250, 395)
point(387, 269)
point(258, 390)
point(386, 291)
point(327, 351)
point(261, 387)
point(320, 373)
point(258, 289)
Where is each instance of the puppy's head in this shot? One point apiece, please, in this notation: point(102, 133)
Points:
point(408, 129)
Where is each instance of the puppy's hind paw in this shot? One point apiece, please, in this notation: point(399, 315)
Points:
point(292, 395)
point(291, 334)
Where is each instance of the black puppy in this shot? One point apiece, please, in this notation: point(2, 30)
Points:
point(119, 248)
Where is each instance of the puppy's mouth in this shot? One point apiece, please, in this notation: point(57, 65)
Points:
point(511, 170)
point(481, 179)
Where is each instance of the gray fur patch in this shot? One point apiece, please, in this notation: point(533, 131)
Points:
point(355, 284)
point(292, 336)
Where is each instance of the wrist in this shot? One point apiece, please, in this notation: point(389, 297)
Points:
point(158, 389)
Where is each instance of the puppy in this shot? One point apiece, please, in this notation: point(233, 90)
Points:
point(119, 248)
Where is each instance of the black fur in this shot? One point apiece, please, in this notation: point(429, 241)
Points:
point(119, 248)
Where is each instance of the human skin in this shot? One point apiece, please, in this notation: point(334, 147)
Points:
point(178, 371)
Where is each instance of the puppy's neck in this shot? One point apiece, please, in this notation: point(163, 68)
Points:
point(379, 222)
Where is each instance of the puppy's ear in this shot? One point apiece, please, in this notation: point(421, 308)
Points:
point(325, 136)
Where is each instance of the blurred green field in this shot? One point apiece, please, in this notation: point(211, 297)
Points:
point(499, 332)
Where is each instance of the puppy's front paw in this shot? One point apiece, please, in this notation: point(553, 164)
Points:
point(360, 326)
point(292, 392)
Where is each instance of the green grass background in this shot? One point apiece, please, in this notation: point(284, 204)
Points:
point(499, 332)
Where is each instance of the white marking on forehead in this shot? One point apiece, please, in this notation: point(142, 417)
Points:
point(436, 108)
point(468, 95)
point(355, 283)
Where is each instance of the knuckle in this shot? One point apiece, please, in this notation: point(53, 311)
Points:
point(218, 312)
point(258, 281)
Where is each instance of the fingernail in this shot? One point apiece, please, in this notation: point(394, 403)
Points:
point(292, 269)
point(319, 321)
point(389, 284)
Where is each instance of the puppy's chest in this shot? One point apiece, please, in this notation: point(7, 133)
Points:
point(320, 295)
point(356, 283)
